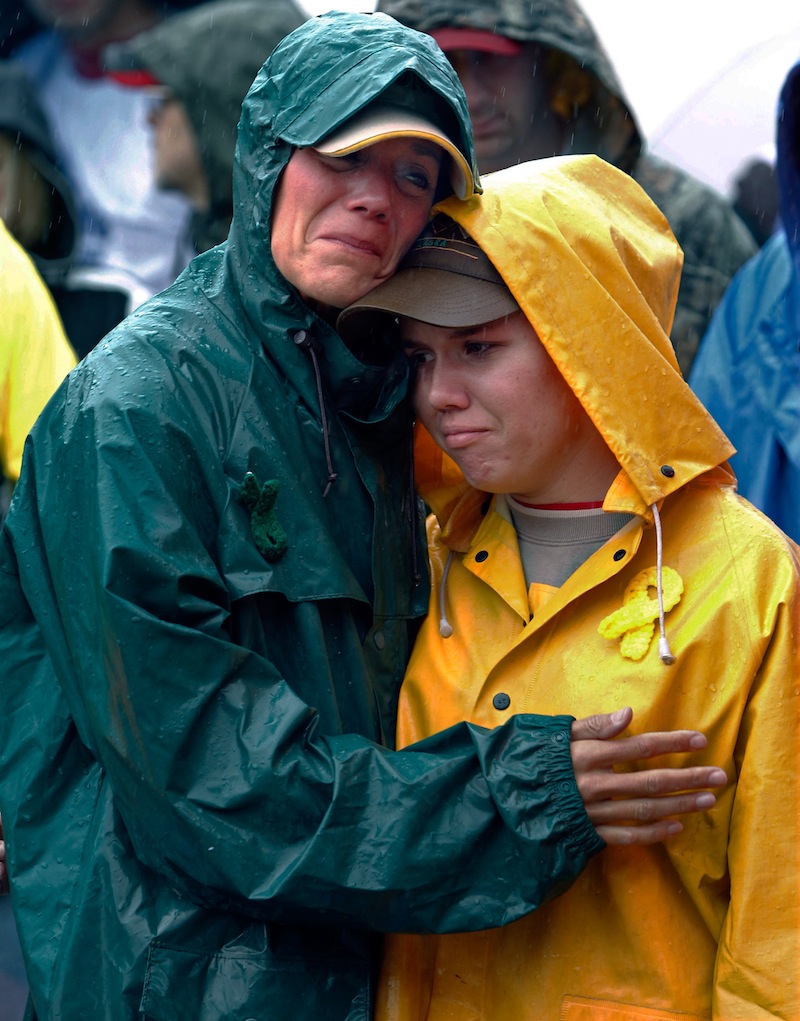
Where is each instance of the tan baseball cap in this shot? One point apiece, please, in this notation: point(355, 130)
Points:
point(381, 121)
point(445, 280)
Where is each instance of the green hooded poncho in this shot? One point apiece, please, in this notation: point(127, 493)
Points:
point(201, 652)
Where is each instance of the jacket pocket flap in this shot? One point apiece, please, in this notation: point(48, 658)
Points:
point(183, 985)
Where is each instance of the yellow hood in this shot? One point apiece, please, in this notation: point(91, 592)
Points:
point(595, 268)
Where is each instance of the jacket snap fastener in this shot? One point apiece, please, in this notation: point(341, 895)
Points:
point(619, 554)
point(668, 470)
point(379, 639)
point(480, 556)
point(501, 700)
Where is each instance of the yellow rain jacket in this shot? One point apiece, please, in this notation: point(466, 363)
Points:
point(35, 355)
point(706, 924)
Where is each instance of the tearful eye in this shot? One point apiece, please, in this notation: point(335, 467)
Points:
point(418, 178)
point(422, 181)
point(416, 357)
point(478, 348)
point(340, 164)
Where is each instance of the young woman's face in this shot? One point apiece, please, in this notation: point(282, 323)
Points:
point(341, 224)
point(494, 400)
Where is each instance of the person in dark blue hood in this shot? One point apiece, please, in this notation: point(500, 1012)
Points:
point(748, 370)
point(208, 591)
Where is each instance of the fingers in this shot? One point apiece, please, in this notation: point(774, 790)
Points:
point(649, 833)
point(603, 785)
point(633, 807)
point(602, 726)
point(3, 870)
point(602, 754)
point(647, 810)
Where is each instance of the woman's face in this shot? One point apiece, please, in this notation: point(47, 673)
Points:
point(341, 224)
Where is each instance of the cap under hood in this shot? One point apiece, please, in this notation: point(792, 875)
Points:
point(583, 86)
point(595, 268)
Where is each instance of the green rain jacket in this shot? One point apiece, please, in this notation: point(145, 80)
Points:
point(198, 678)
point(587, 95)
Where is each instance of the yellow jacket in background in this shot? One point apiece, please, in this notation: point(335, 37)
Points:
point(35, 354)
point(706, 924)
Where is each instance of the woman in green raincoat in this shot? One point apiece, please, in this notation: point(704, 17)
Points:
point(209, 582)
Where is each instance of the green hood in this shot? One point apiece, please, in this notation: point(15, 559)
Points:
point(316, 79)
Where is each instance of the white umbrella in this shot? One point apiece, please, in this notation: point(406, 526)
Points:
point(730, 118)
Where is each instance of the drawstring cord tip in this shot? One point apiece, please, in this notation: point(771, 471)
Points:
point(445, 630)
point(664, 652)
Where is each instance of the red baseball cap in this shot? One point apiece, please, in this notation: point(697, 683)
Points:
point(134, 78)
point(476, 39)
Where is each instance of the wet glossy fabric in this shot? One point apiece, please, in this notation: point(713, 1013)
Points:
point(705, 925)
point(202, 821)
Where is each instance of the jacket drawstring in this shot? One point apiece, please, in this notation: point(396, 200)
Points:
point(445, 628)
point(664, 651)
point(303, 341)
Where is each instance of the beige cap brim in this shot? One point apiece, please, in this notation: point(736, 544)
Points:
point(382, 121)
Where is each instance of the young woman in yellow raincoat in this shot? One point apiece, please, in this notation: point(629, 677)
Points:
point(588, 548)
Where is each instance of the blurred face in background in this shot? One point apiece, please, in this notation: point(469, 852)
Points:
point(509, 105)
point(24, 195)
point(178, 165)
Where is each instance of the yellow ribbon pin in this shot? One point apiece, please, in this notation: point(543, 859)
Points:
point(635, 621)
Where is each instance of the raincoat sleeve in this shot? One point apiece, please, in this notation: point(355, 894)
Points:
point(758, 960)
point(219, 771)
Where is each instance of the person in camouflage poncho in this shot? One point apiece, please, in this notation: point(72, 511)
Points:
point(577, 105)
